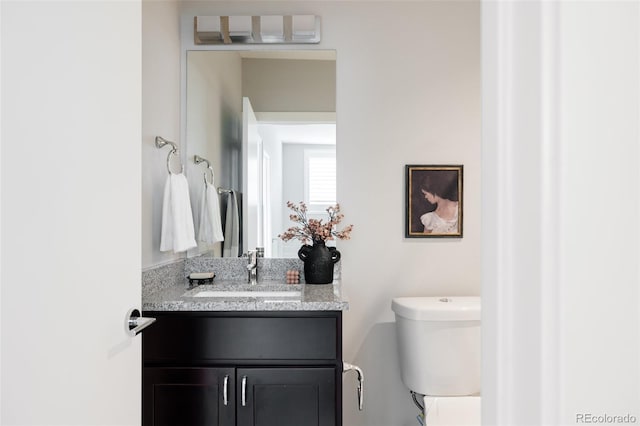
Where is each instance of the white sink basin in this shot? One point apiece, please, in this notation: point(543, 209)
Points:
point(255, 294)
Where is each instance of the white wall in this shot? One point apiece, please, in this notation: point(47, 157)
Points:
point(561, 103)
point(600, 115)
point(414, 101)
point(160, 117)
point(408, 92)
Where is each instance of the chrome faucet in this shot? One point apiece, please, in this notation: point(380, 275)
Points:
point(252, 267)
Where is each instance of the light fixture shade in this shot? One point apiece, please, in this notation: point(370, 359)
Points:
point(208, 29)
point(240, 26)
point(208, 23)
point(304, 26)
point(272, 27)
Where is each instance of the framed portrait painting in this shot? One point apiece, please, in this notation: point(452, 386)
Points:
point(433, 201)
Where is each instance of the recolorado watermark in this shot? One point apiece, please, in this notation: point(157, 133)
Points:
point(590, 418)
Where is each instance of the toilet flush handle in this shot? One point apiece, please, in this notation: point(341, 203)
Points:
point(349, 367)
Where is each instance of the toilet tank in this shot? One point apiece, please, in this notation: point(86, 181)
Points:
point(439, 344)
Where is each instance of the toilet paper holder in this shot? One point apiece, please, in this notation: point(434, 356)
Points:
point(349, 367)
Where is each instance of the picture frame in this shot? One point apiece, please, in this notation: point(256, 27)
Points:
point(434, 201)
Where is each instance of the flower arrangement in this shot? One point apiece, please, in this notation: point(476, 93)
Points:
point(314, 229)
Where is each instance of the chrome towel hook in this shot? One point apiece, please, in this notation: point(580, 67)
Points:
point(160, 143)
point(197, 159)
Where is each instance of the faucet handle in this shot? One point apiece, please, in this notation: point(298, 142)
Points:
point(251, 256)
point(252, 267)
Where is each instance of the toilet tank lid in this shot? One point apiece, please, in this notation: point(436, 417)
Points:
point(449, 308)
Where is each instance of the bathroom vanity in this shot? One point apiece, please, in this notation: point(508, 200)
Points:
point(243, 368)
point(266, 360)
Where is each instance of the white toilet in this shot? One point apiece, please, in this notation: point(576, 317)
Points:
point(439, 351)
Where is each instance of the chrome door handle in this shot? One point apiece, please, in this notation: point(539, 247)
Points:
point(134, 323)
point(244, 391)
point(225, 390)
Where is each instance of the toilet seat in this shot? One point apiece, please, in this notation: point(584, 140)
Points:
point(452, 410)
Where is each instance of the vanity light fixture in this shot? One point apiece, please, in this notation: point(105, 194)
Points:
point(268, 29)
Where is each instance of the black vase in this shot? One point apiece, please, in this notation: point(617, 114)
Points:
point(318, 262)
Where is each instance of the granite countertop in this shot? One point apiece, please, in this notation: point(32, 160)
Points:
point(309, 297)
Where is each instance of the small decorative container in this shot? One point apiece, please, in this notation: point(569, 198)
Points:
point(318, 262)
point(293, 277)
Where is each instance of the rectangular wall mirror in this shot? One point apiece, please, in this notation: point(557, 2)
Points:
point(265, 120)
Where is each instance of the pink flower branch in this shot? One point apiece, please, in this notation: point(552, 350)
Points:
point(315, 229)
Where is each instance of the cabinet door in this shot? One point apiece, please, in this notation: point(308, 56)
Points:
point(188, 397)
point(286, 396)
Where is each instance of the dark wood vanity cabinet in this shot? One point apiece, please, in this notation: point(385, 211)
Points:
point(242, 368)
point(175, 396)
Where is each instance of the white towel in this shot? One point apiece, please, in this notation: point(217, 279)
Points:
point(210, 230)
point(177, 220)
point(232, 228)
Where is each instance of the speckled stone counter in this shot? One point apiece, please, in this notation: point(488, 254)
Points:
point(165, 288)
point(309, 297)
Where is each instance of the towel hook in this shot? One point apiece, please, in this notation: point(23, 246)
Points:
point(160, 143)
point(197, 159)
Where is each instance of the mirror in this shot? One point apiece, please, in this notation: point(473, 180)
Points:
point(284, 151)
